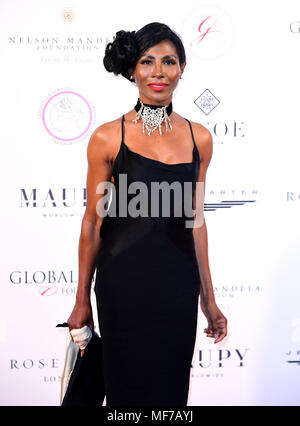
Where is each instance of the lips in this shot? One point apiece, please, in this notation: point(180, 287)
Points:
point(157, 86)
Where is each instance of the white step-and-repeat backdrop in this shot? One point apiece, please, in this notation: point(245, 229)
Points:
point(241, 82)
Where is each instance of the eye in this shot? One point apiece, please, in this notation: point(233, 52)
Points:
point(146, 61)
point(170, 62)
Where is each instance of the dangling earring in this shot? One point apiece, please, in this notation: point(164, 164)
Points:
point(131, 78)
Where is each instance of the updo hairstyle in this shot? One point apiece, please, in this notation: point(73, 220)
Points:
point(122, 54)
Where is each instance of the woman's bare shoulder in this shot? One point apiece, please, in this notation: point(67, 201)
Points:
point(104, 140)
point(201, 130)
point(105, 131)
point(203, 139)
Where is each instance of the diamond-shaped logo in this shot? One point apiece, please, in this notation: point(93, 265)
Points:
point(207, 102)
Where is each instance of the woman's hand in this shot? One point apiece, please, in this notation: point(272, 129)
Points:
point(81, 315)
point(217, 323)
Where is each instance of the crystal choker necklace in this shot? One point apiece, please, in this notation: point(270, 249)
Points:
point(153, 116)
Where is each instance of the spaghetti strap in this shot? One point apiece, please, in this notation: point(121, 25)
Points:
point(123, 118)
point(195, 146)
point(191, 130)
point(122, 145)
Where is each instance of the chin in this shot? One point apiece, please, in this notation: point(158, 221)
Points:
point(159, 95)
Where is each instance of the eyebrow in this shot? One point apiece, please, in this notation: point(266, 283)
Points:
point(164, 57)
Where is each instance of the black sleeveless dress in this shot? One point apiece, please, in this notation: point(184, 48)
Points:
point(147, 291)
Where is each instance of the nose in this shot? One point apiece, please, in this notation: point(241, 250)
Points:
point(157, 70)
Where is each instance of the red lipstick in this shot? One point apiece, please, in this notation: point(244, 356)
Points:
point(157, 87)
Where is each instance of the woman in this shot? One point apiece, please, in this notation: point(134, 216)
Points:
point(150, 269)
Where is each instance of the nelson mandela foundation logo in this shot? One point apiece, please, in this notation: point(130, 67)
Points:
point(67, 15)
point(66, 116)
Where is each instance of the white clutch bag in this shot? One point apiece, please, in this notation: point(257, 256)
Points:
point(77, 340)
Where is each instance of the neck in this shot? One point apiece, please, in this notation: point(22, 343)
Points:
point(155, 102)
point(138, 107)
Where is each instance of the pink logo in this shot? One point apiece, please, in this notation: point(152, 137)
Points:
point(67, 116)
point(47, 291)
point(207, 32)
point(206, 27)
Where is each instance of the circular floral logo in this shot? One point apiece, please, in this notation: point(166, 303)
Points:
point(67, 116)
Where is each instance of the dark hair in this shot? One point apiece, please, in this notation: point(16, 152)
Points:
point(128, 46)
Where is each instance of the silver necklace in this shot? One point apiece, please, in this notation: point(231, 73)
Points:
point(153, 116)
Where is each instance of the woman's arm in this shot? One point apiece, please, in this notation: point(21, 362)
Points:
point(99, 170)
point(217, 323)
